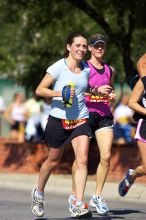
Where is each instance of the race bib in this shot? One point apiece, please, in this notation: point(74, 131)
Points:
point(71, 124)
point(94, 98)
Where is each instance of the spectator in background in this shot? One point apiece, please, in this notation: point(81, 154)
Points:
point(2, 109)
point(37, 121)
point(33, 131)
point(123, 119)
point(45, 110)
point(2, 105)
point(16, 115)
point(33, 105)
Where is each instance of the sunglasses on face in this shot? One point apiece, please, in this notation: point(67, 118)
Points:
point(99, 45)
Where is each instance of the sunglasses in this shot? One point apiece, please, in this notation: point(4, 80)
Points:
point(101, 45)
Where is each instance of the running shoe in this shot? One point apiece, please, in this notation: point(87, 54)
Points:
point(126, 183)
point(80, 210)
point(99, 203)
point(37, 205)
point(71, 201)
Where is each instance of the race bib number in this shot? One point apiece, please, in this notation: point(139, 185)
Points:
point(71, 124)
point(94, 98)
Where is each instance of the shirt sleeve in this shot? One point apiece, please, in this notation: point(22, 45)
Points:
point(54, 69)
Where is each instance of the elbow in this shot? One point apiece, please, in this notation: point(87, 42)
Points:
point(37, 92)
point(130, 104)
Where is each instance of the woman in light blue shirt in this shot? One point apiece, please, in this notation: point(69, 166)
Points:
point(69, 80)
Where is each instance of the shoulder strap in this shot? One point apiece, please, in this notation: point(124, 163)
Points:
point(109, 68)
point(133, 81)
point(84, 64)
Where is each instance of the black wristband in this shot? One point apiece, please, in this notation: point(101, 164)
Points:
point(92, 91)
point(143, 79)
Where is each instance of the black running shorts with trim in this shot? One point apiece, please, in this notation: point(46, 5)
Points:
point(57, 136)
point(97, 121)
point(141, 131)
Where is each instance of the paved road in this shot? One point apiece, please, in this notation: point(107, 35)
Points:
point(15, 199)
point(15, 205)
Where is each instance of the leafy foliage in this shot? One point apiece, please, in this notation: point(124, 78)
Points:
point(33, 34)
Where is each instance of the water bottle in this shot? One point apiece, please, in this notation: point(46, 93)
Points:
point(69, 104)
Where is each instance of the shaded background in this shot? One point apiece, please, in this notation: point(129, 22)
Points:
point(33, 34)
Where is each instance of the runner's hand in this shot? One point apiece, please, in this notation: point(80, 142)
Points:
point(102, 90)
point(112, 96)
point(67, 94)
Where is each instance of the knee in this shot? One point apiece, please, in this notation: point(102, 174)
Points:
point(52, 164)
point(82, 161)
point(105, 159)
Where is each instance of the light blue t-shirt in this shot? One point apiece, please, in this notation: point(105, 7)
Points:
point(63, 76)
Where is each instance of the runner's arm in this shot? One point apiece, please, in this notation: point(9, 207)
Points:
point(43, 88)
point(135, 98)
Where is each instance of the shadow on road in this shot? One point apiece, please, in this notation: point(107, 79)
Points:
point(124, 212)
point(113, 214)
point(93, 218)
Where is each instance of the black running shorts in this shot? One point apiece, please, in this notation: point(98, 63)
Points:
point(97, 121)
point(57, 136)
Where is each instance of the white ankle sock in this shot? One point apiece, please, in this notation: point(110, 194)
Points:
point(39, 194)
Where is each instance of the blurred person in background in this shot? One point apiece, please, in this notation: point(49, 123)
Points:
point(36, 123)
point(2, 105)
point(33, 131)
point(124, 123)
point(33, 105)
point(137, 102)
point(45, 111)
point(2, 109)
point(16, 115)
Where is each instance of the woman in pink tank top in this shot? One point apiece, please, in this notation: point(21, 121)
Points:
point(100, 117)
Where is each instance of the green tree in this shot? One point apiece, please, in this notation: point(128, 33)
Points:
point(33, 34)
point(120, 20)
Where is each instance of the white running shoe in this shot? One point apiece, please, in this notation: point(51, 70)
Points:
point(99, 203)
point(80, 210)
point(126, 183)
point(37, 205)
point(71, 201)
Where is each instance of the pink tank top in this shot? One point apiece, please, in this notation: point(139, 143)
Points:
point(97, 79)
